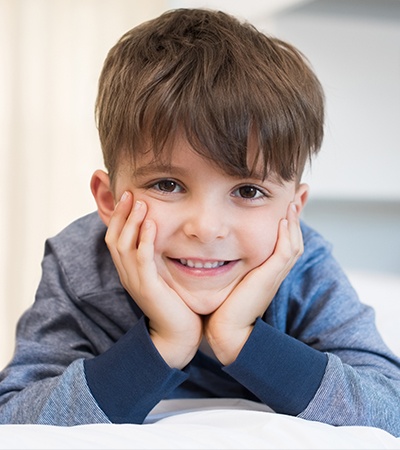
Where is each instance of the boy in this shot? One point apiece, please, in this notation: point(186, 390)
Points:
point(192, 279)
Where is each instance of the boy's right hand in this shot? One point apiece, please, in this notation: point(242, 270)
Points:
point(175, 329)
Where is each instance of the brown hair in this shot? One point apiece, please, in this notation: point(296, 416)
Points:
point(219, 81)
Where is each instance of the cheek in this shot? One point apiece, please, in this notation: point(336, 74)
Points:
point(260, 241)
point(165, 226)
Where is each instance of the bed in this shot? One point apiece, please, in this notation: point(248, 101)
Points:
point(228, 423)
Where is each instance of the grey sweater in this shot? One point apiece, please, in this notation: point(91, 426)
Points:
point(83, 353)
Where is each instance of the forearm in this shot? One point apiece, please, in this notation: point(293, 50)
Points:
point(295, 379)
point(130, 378)
point(121, 385)
point(64, 400)
point(281, 371)
point(350, 396)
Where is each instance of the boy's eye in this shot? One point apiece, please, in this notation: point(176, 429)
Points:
point(167, 186)
point(249, 192)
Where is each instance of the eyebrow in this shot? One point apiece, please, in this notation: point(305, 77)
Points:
point(160, 168)
point(157, 167)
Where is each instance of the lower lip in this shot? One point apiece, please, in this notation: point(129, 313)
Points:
point(202, 272)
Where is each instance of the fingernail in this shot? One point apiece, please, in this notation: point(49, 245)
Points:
point(124, 196)
point(284, 222)
point(294, 207)
point(137, 205)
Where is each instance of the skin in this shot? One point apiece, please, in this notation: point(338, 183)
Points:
point(201, 252)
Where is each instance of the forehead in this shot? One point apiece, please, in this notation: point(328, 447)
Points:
point(177, 151)
point(183, 161)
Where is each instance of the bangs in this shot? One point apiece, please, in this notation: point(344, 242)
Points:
point(219, 84)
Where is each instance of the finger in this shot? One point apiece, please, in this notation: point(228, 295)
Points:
point(145, 251)
point(118, 218)
point(125, 250)
point(296, 236)
point(122, 233)
point(289, 244)
point(129, 234)
point(117, 222)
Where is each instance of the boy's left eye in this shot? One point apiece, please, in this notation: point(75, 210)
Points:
point(249, 192)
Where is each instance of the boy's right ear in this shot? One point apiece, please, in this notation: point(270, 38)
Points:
point(100, 186)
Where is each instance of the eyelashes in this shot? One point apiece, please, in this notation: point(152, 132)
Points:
point(247, 192)
point(167, 185)
point(250, 192)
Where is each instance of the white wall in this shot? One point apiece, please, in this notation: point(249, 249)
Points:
point(255, 11)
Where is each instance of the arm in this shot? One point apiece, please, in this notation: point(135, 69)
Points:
point(316, 317)
point(47, 382)
point(174, 328)
point(228, 328)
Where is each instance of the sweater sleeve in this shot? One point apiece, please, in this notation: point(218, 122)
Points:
point(78, 358)
point(285, 373)
point(317, 353)
point(63, 400)
point(361, 383)
point(121, 385)
point(130, 378)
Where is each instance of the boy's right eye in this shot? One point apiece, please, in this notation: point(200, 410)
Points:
point(169, 186)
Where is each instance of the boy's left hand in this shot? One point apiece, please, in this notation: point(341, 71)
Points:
point(228, 328)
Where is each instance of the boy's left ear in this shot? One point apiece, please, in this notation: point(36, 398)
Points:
point(100, 186)
point(301, 196)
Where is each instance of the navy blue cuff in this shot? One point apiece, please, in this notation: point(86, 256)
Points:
point(130, 378)
point(283, 372)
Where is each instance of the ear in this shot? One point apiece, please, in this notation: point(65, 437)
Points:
point(301, 196)
point(100, 186)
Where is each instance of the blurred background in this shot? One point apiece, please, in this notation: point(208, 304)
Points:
point(51, 54)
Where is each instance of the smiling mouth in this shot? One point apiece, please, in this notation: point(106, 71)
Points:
point(202, 264)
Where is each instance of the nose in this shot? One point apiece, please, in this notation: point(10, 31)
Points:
point(206, 222)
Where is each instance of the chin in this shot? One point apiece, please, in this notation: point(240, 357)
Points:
point(200, 299)
point(203, 310)
point(204, 305)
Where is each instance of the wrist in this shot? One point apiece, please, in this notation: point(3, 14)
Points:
point(228, 344)
point(174, 353)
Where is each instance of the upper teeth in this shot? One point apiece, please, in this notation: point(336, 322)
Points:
point(200, 265)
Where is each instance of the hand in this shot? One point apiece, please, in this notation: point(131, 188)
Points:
point(228, 328)
point(175, 329)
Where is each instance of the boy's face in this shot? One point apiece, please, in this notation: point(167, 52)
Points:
point(212, 228)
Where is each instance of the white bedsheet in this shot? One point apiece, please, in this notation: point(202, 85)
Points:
point(198, 426)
